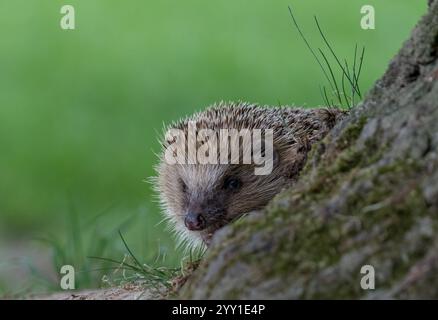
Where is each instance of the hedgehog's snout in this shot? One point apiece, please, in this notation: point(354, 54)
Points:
point(195, 221)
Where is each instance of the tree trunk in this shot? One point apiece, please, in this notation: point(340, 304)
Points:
point(367, 196)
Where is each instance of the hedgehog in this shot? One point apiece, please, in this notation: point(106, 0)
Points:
point(200, 198)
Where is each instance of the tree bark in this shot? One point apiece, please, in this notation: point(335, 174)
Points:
point(367, 196)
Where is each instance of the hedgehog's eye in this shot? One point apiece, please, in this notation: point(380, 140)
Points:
point(232, 184)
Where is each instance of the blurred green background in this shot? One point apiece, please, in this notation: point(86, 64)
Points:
point(81, 110)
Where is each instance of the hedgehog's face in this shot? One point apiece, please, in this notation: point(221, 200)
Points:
point(200, 199)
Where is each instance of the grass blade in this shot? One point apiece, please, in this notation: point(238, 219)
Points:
point(334, 54)
point(309, 47)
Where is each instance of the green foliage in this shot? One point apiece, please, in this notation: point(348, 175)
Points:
point(344, 99)
point(153, 275)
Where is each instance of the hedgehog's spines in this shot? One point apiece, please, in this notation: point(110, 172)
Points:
point(295, 130)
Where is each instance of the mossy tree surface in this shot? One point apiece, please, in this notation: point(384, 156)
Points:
point(367, 196)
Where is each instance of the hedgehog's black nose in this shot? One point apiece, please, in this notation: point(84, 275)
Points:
point(194, 221)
